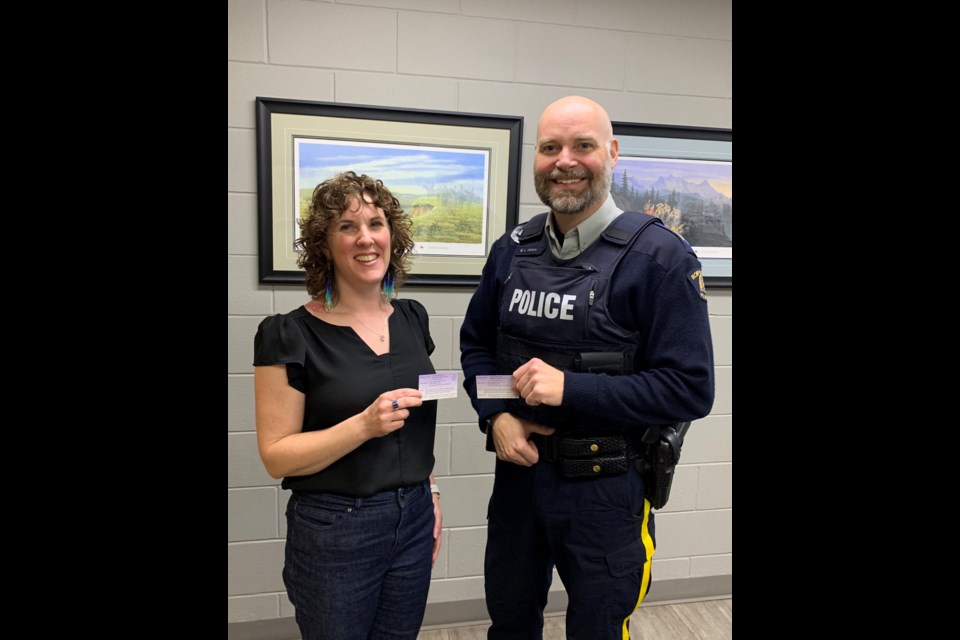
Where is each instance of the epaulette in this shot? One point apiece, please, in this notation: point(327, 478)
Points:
point(529, 230)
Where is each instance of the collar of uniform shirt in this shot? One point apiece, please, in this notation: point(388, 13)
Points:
point(582, 236)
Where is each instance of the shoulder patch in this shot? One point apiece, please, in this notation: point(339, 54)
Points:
point(696, 279)
point(517, 231)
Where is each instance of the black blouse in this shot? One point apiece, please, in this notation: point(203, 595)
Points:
point(340, 376)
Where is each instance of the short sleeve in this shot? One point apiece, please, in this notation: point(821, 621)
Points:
point(423, 320)
point(279, 340)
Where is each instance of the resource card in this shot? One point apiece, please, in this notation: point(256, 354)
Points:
point(489, 387)
point(439, 385)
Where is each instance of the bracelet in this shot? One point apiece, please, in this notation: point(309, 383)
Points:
point(435, 489)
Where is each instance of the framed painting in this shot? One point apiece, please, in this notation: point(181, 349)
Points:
point(457, 175)
point(684, 176)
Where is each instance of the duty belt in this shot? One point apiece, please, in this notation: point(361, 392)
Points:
point(581, 455)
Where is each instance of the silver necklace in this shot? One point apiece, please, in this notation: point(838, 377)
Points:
point(382, 335)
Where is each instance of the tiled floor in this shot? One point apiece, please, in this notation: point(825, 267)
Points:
point(695, 620)
point(700, 620)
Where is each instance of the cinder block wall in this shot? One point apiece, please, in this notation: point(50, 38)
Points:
point(649, 61)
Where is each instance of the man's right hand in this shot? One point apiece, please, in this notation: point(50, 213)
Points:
point(511, 439)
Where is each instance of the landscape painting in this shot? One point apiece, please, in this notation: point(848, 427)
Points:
point(694, 198)
point(457, 176)
point(443, 190)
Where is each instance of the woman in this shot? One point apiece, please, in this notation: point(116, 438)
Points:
point(340, 419)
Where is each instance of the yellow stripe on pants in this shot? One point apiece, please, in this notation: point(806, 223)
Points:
point(645, 579)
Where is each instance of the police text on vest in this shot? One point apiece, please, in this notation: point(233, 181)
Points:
point(542, 304)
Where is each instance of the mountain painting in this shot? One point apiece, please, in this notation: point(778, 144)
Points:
point(443, 190)
point(694, 198)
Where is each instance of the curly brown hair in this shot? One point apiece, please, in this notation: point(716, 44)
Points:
point(330, 199)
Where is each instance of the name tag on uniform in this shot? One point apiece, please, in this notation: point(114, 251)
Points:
point(489, 387)
point(439, 385)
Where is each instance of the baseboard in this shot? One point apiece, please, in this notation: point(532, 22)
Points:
point(274, 629)
point(441, 615)
point(689, 589)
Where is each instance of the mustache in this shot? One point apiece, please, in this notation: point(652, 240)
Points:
point(557, 174)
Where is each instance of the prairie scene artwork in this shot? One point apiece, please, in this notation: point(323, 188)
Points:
point(693, 198)
point(443, 190)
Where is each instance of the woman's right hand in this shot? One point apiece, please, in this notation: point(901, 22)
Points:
point(382, 418)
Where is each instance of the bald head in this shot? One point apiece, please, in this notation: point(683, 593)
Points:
point(576, 111)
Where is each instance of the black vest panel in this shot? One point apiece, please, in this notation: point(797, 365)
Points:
point(557, 311)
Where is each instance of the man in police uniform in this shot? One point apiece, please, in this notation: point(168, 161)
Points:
point(600, 318)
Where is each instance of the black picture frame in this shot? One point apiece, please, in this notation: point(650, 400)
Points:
point(690, 148)
point(284, 126)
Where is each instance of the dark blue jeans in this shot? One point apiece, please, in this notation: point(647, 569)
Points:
point(359, 568)
point(598, 532)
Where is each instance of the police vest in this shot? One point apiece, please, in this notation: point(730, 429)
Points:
point(556, 310)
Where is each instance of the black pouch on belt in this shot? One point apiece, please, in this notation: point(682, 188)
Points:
point(571, 447)
point(585, 456)
point(591, 467)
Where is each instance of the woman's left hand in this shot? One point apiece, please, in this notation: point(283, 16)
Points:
point(437, 526)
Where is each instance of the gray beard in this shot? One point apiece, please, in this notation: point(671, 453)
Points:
point(598, 186)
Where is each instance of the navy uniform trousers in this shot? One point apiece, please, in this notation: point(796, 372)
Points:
point(598, 532)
